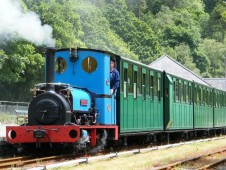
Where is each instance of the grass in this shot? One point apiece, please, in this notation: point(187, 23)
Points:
point(151, 159)
point(8, 119)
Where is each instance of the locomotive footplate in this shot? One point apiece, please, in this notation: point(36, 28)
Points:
point(55, 133)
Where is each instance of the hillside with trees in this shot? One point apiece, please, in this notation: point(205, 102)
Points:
point(192, 32)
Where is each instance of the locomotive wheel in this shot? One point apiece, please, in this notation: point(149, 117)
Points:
point(49, 108)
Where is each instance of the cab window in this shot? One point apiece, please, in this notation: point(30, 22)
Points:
point(60, 65)
point(89, 64)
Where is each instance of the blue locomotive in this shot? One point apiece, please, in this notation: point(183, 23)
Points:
point(74, 102)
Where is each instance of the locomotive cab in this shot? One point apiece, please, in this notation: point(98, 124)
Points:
point(88, 73)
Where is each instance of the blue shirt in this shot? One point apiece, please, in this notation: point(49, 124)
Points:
point(114, 79)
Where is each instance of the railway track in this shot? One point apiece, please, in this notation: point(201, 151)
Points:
point(63, 160)
point(198, 162)
point(29, 160)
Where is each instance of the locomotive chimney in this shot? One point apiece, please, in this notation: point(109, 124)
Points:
point(50, 69)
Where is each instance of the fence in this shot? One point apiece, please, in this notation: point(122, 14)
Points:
point(10, 107)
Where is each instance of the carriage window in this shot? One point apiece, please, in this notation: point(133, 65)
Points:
point(147, 84)
point(217, 96)
point(182, 91)
point(203, 96)
point(224, 100)
point(89, 64)
point(200, 96)
point(125, 82)
point(139, 86)
point(208, 98)
point(159, 88)
point(215, 99)
point(130, 78)
point(125, 75)
point(196, 95)
point(174, 89)
point(60, 65)
point(188, 93)
point(155, 84)
point(219, 100)
point(211, 98)
point(143, 85)
point(152, 87)
point(135, 84)
point(177, 90)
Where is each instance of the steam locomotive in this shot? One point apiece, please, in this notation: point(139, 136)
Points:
point(75, 105)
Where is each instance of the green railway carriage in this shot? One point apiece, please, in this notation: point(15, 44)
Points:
point(203, 108)
point(153, 101)
point(219, 108)
point(141, 99)
point(178, 105)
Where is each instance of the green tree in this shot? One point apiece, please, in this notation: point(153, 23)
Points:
point(138, 7)
point(202, 62)
point(139, 36)
point(215, 51)
point(175, 25)
point(209, 5)
point(217, 24)
point(21, 67)
point(97, 32)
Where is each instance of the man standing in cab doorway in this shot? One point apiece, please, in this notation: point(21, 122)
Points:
point(114, 77)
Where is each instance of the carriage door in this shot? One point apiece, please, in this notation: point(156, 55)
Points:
point(168, 100)
point(124, 96)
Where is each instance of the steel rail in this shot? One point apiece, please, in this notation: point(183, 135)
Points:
point(20, 161)
point(211, 165)
point(172, 165)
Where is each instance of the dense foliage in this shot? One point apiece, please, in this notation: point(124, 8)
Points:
point(192, 32)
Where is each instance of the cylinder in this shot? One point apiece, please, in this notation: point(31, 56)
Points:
point(50, 52)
